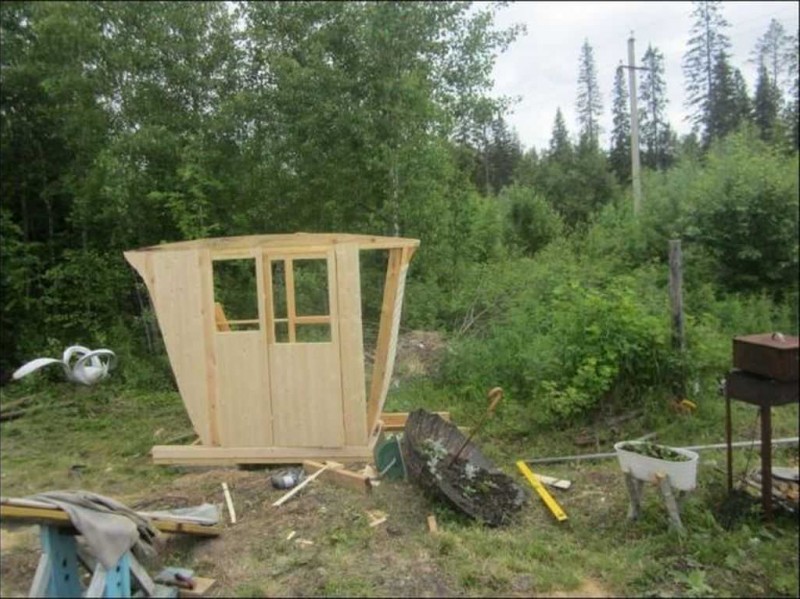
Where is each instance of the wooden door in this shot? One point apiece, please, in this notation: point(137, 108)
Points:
point(303, 349)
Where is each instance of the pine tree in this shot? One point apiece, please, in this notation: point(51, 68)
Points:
point(560, 145)
point(729, 105)
point(791, 112)
point(773, 51)
point(766, 106)
point(653, 100)
point(706, 42)
point(589, 104)
point(504, 152)
point(619, 156)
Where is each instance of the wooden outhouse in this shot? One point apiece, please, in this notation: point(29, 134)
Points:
point(264, 336)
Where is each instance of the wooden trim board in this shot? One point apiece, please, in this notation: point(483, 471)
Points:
point(283, 241)
point(337, 475)
point(396, 421)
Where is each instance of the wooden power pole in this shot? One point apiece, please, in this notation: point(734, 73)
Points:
point(635, 166)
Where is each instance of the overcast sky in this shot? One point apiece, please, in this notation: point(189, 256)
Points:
point(541, 67)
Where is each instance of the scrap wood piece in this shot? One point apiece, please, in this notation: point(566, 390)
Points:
point(201, 587)
point(25, 410)
point(376, 517)
point(297, 489)
point(433, 528)
point(229, 503)
point(558, 483)
point(184, 436)
point(26, 509)
point(396, 421)
point(338, 475)
point(16, 403)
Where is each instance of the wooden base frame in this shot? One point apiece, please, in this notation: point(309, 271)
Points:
point(201, 455)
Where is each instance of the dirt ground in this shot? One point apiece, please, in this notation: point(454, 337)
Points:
point(319, 543)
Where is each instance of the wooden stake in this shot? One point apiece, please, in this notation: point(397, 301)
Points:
point(676, 293)
point(229, 502)
point(433, 528)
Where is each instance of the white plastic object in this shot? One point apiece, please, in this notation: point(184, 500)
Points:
point(80, 364)
point(682, 475)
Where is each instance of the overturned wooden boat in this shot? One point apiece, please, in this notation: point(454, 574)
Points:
point(471, 482)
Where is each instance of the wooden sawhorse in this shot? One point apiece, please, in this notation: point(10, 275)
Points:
point(57, 574)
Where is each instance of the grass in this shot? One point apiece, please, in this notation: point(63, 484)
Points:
point(109, 430)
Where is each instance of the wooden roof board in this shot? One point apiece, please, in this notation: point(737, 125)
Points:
point(284, 241)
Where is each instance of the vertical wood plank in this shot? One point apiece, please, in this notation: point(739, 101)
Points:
point(351, 343)
point(391, 310)
point(266, 293)
point(209, 329)
point(174, 281)
point(290, 308)
point(264, 290)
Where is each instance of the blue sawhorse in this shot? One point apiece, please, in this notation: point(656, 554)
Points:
point(57, 574)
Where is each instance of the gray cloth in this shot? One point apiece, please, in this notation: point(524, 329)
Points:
point(109, 528)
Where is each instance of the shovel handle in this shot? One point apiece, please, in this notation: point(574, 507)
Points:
point(495, 395)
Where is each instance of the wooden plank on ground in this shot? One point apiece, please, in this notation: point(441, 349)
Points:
point(60, 517)
point(337, 475)
point(201, 587)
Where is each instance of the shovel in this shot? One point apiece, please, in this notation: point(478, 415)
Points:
point(495, 395)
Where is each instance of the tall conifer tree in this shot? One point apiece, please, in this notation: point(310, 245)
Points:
point(707, 40)
point(589, 104)
point(620, 152)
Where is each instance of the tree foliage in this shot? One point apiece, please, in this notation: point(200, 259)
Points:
point(589, 104)
point(128, 124)
point(656, 133)
point(707, 42)
point(729, 104)
point(620, 151)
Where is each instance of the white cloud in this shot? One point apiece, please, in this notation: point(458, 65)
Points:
point(542, 66)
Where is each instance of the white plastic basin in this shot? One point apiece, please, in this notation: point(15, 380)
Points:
point(682, 475)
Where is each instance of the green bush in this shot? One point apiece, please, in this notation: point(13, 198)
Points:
point(566, 336)
point(740, 210)
point(530, 221)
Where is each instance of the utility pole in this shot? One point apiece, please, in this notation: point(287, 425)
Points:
point(635, 166)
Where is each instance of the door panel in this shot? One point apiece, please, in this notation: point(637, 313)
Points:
point(303, 349)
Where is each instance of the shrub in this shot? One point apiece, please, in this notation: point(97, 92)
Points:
point(530, 221)
point(568, 337)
